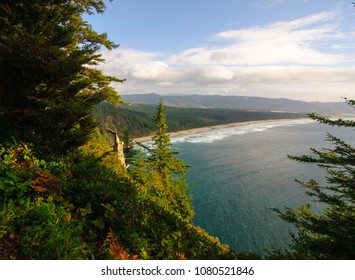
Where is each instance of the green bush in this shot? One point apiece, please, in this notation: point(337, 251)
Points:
point(33, 217)
point(48, 232)
point(69, 209)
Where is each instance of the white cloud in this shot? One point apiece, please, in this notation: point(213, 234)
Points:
point(280, 58)
point(292, 42)
point(154, 71)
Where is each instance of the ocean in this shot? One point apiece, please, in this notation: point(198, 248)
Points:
point(239, 174)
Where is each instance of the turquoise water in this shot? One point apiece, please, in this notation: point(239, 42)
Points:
point(239, 174)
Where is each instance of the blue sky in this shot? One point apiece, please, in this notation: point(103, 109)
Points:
point(300, 49)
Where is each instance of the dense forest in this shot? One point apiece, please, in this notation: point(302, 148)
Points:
point(137, 117)
point(66, 194)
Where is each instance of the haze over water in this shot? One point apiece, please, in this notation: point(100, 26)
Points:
point(239, 174)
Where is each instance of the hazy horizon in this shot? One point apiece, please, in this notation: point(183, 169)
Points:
point(341, 100)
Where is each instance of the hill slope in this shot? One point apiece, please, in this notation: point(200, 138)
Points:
point(241, 102)
point(136, 118)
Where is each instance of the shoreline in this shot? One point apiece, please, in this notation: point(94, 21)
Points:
point(198, 130)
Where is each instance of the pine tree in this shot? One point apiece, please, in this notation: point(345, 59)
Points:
point(162, 155)
point(331, 233)
point(128, 147)
point(48, 80)
point(161, 171)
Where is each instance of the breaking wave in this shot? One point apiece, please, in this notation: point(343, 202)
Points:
point(214, 135)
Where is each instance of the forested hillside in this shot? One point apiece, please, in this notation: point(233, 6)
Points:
point(64, 193)
point(241, 103)
point(137, 117)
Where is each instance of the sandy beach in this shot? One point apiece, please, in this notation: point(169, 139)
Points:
point(210, 128)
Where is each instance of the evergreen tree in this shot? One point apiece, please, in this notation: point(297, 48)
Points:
point(162, 156)
point(48, 80)
point(331, 233)
point(128, 147)
point(161, 171)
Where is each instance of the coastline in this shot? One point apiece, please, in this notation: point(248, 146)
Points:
point(198, 130)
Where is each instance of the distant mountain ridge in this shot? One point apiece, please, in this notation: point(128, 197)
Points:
point(242, 103)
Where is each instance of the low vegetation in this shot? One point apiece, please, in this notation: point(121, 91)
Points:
point(86, 206)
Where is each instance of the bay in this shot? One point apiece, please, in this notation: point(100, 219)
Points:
point(239, 174)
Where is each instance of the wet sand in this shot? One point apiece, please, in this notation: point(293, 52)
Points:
point(209, 128)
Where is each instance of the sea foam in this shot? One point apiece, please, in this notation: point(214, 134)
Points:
point(214, 135)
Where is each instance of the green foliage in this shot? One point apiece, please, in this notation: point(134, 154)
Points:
point(122, 118)
point(48, 80)
point(136, 117)
point(130, 153)
point(68, 210)
point(200, 245)
point(34, 221)
point(22, 175)
point(97, 193)
point(108, 199)
point(47, 232)
point(329, 234)
point(163, 174)
point(162, 156)
point(65, 195)
point(144, 221)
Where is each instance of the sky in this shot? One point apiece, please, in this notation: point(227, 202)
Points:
point(296, 49)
